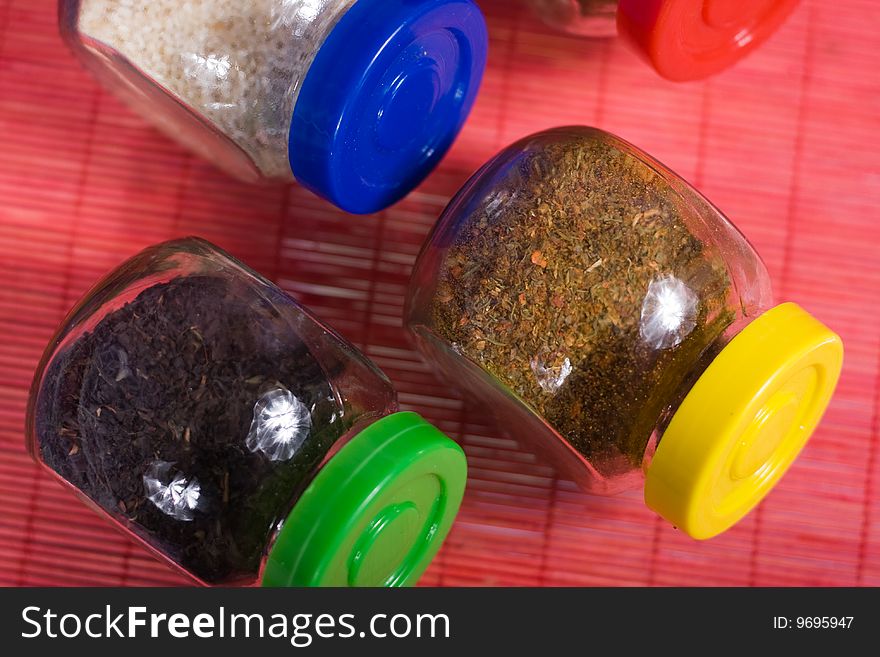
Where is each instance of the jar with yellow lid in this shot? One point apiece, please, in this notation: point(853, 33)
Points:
point(614, 319)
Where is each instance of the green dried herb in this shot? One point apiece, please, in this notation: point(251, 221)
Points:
point(547, 290)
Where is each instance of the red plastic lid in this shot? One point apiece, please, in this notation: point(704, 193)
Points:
point(692, 39)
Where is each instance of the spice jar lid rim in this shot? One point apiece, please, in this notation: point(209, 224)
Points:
point(744, 422)
point(377, 512)
point(385, 97)
point(694, 39)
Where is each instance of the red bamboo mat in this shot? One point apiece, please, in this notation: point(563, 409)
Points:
point(786, 144)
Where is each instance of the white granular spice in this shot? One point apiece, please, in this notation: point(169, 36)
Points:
point(239, 63)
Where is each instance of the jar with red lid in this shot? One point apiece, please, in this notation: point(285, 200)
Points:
point(681, 39)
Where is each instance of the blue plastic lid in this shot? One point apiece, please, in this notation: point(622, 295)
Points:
point(385, 98)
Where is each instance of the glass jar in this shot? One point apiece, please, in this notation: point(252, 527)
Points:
point(589, 18)
point(681, 39)
point(206, 413)
point(356, 99)
point(614, 319)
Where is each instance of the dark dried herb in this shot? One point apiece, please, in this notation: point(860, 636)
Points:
point(148, 415)
point(546, 289)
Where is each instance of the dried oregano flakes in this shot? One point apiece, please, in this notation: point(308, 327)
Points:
point(577, 278)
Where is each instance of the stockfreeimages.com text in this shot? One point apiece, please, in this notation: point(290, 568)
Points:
point(300, 629)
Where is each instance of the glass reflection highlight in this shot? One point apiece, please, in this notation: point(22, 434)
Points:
point(280, 426)
point(669, 312)
point(173, 493)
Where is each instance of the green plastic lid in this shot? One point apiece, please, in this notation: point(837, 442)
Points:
point(377, 512)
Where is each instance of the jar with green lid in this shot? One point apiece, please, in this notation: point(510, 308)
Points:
point(681, 39)
point(612, 318)
point(204, 412)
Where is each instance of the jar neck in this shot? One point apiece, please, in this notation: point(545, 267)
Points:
point(708, 355)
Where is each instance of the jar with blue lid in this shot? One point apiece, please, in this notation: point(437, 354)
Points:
point(357, 100)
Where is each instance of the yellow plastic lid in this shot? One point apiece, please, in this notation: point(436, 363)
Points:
point(744, 422)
